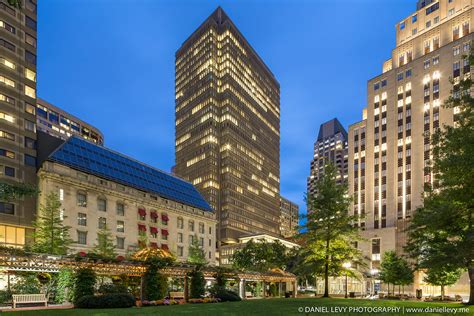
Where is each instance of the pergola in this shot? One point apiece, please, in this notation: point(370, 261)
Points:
point(48, 263)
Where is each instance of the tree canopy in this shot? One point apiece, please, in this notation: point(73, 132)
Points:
point(261, 256)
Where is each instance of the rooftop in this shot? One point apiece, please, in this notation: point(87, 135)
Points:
point(85, 156)
point(331, 128)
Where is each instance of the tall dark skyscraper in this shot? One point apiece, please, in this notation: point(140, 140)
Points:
point(228, 128)
point(330, 147)
point(17, 116)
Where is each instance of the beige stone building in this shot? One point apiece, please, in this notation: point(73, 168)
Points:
point(390, 148)
point(100, 188)
point(289, 218)
point(18, 43)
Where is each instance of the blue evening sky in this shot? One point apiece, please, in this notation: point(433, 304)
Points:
point(111, 63)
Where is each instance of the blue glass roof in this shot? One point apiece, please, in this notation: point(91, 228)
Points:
point(85, 156)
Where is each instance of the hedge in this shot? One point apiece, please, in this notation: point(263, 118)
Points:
point(117, 300)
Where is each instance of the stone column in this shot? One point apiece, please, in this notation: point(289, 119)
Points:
point(242, 288)
point(295, 288)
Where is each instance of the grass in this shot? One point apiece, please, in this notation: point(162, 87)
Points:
point(267, 307)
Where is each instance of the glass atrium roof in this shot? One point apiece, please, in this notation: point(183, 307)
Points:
point(87, 157)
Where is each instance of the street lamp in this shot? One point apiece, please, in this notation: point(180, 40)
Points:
point(346, 265)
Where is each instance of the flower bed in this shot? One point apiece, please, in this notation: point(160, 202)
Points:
point(175, 302)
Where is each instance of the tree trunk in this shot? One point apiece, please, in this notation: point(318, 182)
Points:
point(470, 271)
point(399, 289)
point(442, 292)
point(326, 271)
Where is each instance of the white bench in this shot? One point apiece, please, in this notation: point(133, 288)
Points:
point(29, 298)
point(174, 295)
point(248, 294)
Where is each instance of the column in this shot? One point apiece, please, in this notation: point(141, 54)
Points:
point(242, 288)
point(186, 292)
point(295, 288)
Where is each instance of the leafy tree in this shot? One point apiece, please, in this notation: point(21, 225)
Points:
point(395, 270)
point(65, 285)
point(196, 253)
point(15, 191)
point(442, 277)
point(15, 3)
point(441, 233)
point(198, 284)
point(261, 256)
point(329, 232)
point(51, 235)
point(26, 283)
point(84, 282)
point(155, 284)
point(105, 246)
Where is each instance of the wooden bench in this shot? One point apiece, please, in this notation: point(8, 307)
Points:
point(248, 294)
point(29, 299)
point(176, 295)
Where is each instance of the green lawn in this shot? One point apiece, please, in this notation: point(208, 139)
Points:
point(267, 307)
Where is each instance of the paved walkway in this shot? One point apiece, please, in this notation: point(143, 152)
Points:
point(29, 308)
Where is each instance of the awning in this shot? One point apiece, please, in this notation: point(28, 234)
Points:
point(153, 214)
point(153, 245)
point(164, 217)
point(142, 227)
point(164, 246)
point(142, 212)
point(153, 230)
point(164, 232)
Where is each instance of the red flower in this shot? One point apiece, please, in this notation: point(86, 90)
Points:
point(120, 258)
point(82, 254)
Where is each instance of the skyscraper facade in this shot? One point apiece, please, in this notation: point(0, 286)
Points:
point(17, 115)
point(228, 127)
point(289, 212)
point(330, 147)
point(390, 148)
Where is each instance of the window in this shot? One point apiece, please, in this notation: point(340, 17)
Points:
point(102, 204)
point(210, 230)
point(191, 225)
point(30, 40)
point(9, 171)
point(376, 249)
point(191, 239)
point(376, 86)
point(6, 81)
point(414, 31)
point(7, 27)
point(30, 57)
point(450, 12)
point(384, 82)
point(456, 50)
point(7, 208)
point(455, 32)
point(29, 91)
point(120, 243)
point(81, 219)
point(466, 46)
point(180, 251)
point(414, 18)
point(400, 76)
point(436, 20)
point(30, 160)
point(7, 45)
point(120, 207)
point(7, 135)
point(29, 108)
point(201, 228)
point(426, 64)
point(81, 237)
point(30, 22)
point(102, 223)
point(81, 199)
point(435, 60)
point(120, 226)
point(30, 126)
point(7, 153)
point(408, 73)
point(180, 223)
point(402, 25)
point(12, 235)
point(201, 242)
point(428, 24)
point(30, 74)
point(180, 237)
point(433, 8)
point(7, 63)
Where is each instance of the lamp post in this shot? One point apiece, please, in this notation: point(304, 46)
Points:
point(346, 265)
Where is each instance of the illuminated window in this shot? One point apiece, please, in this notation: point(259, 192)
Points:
point(29, 91)
point(30, 74)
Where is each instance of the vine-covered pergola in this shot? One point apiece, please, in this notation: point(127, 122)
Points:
point(53, 264)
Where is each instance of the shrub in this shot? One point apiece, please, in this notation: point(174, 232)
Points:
point(156, 284)
point(198, 284)
point(26, 283)
point(117, 300)
point(225, 295)
point(65, 286)
point(84, 282)
point(5, 296)
point(111, 288)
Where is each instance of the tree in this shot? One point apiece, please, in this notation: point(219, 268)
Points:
point(51, 235)
point(261, 256)
point(84, 283)
point(441, 233)
point(196, 253)
point(155, 284)
point(395, 270)
point(16, 191)
point(198, 284)
point(105, 246)
point(329, 230)
point(442, 277)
